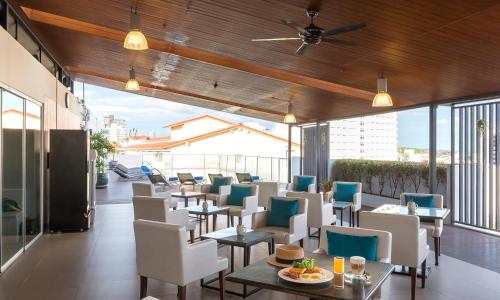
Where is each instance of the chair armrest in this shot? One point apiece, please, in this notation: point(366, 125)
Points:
point(179, 217)
point(259, 219)
point(384, 260)
point(289, 186)
point(298, 225)
point(319, 251)
point(422, 245)
point(251, 203)
point(356, 202)
point(224, 190)
point(202, 255)
point(282, 193)
point(222, 200)
point(311, 188)
point(326, 210)
point(206, 188)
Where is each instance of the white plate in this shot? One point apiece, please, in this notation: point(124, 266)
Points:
point(327, 276)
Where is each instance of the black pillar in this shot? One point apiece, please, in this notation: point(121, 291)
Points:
point(432, 148)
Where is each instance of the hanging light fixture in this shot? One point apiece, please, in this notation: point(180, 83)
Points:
point(135, 39)
point(132, 84)
point(382, 98)
point(290, 117)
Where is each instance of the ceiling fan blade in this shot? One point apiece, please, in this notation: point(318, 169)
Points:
point(344, 29)
point(275, 39)
point(339, 42)
point(295, 26)
point(301, 49)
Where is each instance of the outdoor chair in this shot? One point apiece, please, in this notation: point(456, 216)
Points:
point(268, 189)
point(290, 231)
point(302, 183)
point(349, 192)
point(409, 241)
point(244, 177)
point(162, 253)
point(158, 180)
point(242, 201)
point(189, 180)
point(211, 177)
point(158, 209)
point(129, 173)
point(148, 190)
point(434, 227)
point(220, 187)
point(319, 213)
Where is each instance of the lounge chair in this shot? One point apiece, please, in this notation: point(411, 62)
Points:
point(244, 177)
point(158, 180)
point(188, 179)
point(212, 176)
point(129, 173)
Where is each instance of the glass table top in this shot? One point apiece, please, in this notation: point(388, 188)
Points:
point(262, 274)
point(229, 236)
point(427, 212)
point(198, 210)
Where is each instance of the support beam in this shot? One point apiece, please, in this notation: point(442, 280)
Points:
point(197, 54)
point(87, 72)
point(432, 148)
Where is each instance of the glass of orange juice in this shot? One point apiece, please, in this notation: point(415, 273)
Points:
point(338, 265)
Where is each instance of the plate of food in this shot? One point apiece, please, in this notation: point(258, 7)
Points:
point(305, 272)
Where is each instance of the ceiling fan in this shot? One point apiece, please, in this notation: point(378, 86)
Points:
point(312, 34)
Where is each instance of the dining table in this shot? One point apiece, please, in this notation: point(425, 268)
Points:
point(264, 275)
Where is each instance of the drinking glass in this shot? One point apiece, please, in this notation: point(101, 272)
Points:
point(357, 265)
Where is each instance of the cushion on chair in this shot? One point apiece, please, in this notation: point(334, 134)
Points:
point(238, 193)
point(281, 212)
point(345, 192)
point(421, 200)
point(351, 245)
point(218, 181)
point(303, 182)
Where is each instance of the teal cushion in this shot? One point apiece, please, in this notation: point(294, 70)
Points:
point(345, 192)
point(218, 181)
point(421, 200)
point(350, 245)
point(302, 183)
point(281, 211)
point(239, 192)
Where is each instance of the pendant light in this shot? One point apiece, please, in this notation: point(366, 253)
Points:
point(135, 39)
point(132, 84)
point(382, 98)
point(290, 117)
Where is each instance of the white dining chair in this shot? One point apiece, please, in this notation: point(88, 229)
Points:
point(162, 253)
point(214, 195)
point(148, 190)
point(250, 204)
point(356, 199)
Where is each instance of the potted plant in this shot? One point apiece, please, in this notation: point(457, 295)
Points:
point(103, 147)
point(326, 187)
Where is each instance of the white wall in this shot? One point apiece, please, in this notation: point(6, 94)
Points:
point(196, 128)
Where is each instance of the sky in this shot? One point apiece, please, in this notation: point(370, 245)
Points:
point(149, 114)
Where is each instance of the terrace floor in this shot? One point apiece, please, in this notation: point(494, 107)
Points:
point(100, 264)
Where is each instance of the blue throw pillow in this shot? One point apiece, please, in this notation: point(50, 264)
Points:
point(218, 181)
point(303, 182)
point(350, 245)
point(421, 200)
point(239, 192)
point(281, 211)
point(345, 192)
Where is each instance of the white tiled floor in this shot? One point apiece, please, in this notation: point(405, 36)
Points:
point(100, 264)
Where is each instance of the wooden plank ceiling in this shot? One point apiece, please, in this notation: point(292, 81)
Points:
point(430, 51)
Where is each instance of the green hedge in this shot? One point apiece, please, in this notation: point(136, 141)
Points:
point(394, 175)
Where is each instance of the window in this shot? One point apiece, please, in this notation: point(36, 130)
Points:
point(48, 63)
point(25, 39)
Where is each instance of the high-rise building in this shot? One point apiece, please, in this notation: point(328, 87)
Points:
point(116, 129)
point(370, 137)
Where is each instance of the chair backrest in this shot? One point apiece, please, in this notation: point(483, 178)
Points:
point(186, 178)
point(158, 178)
point(150, 208)
point(302, 203)
point(244, 177)
point(142, 189)
point(212, 176)
point(267, 189)
point(438, 199)
point(254, 187)
point(160, 250)
point(122, 168)
point(358, 186)
point(294, 180)
point(315, 203)
point(404, 230)
point(384, 244)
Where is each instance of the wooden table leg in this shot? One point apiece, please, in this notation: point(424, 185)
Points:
point(185, 201)
point(214, 220)
point(232, 259)
point(206, 223)
point(341, 217)
point(199, 216)
point(228, 219)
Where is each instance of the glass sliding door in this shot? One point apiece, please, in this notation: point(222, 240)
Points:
point(12, 175)
point(33, 152)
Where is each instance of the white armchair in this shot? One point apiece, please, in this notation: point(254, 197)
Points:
point(163, 254)
point(268, 189)
point(319, 213)
point(292, 187)
point(215, 197)
point(297, 229)
point(148, 190)
point(434, 228)
point(250, 203)
point(157, 209)
point(409, 241)
point(356, 199)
